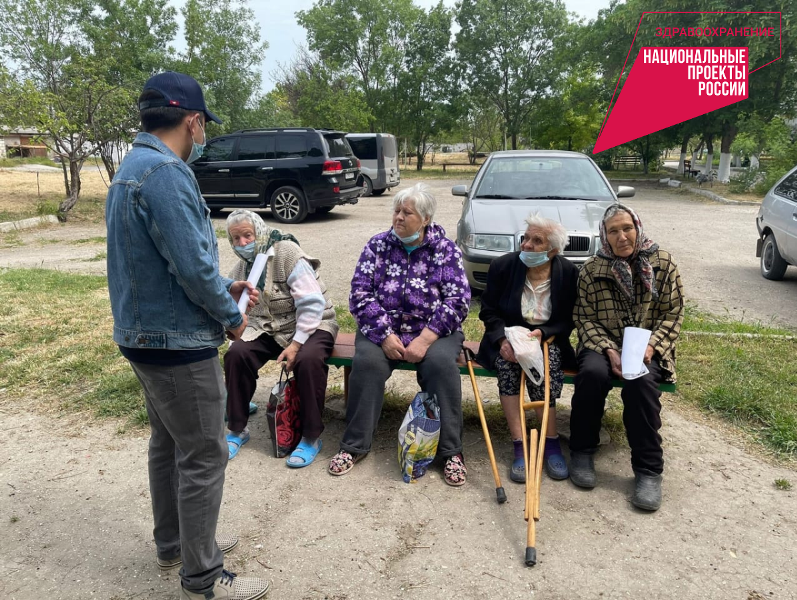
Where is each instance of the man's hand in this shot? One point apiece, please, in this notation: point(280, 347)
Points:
point(507, 353)
point(416, 350)
point(615, 362)
point(235, 334)
point(648, 354)
point(289, 355)
point(392, 347)
point(239, 286)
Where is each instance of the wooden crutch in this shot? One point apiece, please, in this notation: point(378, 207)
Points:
point(534, 450)
point(499, 490)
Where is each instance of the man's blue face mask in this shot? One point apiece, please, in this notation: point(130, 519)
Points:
point(197, 149)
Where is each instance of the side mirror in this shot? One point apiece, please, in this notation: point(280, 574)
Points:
point(625, 191)
point(459, 190)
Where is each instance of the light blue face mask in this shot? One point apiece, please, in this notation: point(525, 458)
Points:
point(409, 239)
point(534, 259)
point(197, 149)
point(246, 252)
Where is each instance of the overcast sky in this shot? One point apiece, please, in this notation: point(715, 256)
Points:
point(279, 28)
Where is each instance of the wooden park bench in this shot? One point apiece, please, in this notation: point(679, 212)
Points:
point(688, 171)
point(632, 161)
point(343, 353)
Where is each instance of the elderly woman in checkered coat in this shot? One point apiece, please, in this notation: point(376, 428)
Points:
point(629, 283)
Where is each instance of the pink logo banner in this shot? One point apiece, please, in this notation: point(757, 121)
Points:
point(667, 86)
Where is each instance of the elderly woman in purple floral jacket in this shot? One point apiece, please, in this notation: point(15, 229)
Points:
point(409, 296)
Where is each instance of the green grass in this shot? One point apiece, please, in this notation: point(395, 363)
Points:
point(15, 162)
point(783, 484)
point(221, 233)
point(98, 257)
point(91, 240)
point(437, 173)
point(65, 357)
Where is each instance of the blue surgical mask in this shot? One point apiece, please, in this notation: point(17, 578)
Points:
point(409, 239)
point(246, 252)
point(534, 259)
point(197, 149)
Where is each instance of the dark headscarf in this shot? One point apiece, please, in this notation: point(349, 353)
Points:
point(623, 268)
point(265, 237)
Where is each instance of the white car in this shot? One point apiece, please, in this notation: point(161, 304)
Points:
point(563, 186)
point(777, 228)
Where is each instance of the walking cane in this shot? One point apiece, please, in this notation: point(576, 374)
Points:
point(499, 490)
point(533, 449)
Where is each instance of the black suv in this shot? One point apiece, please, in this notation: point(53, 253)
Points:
point(294, 171)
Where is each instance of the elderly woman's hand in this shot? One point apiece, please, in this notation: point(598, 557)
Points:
point(648, 354)
point(238, 287)
point(289, 355)
point(393, 348)
point(615, 362)
point(507, 353)
point(416, 350)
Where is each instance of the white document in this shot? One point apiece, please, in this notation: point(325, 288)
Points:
point(254, 277)
point(635, 343)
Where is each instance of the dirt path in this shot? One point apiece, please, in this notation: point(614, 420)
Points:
point(76, 519)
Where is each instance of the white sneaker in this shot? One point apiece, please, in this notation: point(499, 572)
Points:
point(231, 587)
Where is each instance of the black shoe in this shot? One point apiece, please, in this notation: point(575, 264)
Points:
point(647, 491)
point(582, 470)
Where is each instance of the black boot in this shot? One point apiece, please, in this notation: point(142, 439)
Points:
point(647, 490)
point(582, 470)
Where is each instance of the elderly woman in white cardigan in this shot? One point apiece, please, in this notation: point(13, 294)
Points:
point(293, 321)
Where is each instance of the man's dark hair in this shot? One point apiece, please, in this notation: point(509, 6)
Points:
point(160, 117)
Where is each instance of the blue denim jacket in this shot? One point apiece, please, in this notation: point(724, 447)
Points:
point(163, 259)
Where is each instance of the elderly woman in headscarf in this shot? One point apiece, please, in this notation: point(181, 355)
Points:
point(630, 283)
point(293, 322)
point(536, 289)
point(409, 296)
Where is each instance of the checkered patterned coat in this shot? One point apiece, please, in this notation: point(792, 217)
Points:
point(602, 311)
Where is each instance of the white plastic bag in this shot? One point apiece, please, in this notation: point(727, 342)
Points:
point(527, 352)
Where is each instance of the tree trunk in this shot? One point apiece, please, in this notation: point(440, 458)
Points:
point(709, 156)
point(728, 135)
point(514, 141)
point(74, 193)
point(682, 159)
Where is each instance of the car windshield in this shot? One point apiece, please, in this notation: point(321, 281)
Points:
point(560, 178)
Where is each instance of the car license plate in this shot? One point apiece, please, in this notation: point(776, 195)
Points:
point(349, 176)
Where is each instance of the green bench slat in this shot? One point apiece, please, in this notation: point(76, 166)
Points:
point(337, 361)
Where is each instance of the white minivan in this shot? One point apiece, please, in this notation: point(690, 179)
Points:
point(378, 154)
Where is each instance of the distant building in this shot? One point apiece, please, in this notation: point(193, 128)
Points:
point(22, 142)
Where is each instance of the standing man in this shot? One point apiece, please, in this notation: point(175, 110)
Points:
point(170, 310)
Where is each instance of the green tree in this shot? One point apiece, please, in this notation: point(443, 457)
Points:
point(224, 53)
point(508, 50)
point(320, 97)
point(366, 39)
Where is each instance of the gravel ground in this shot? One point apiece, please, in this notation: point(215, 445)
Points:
point(76, 519)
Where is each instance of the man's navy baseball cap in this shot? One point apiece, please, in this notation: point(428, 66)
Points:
point(180, 91)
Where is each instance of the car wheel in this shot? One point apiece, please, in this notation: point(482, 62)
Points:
point(378, 192)
point(287, 205)
point(369, 187)
point(772, 264)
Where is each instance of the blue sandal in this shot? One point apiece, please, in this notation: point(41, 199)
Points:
point(234, 444)
point(306, 453)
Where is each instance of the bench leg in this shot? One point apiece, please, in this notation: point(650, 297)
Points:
point(346, 373)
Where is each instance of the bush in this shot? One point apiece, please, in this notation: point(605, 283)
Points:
point(744, 181)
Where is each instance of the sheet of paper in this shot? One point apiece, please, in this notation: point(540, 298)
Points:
point(635, 342)
point(254, 277)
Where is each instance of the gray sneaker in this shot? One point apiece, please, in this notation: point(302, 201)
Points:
point(582, 470)
point(225, 542)
point(647, 491)
point(231, 587)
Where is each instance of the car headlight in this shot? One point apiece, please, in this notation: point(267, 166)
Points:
point(497, 243)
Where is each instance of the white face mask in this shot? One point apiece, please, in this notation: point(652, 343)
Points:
point(197, 149)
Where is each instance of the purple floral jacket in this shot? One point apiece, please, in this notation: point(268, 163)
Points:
point(396, 292)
